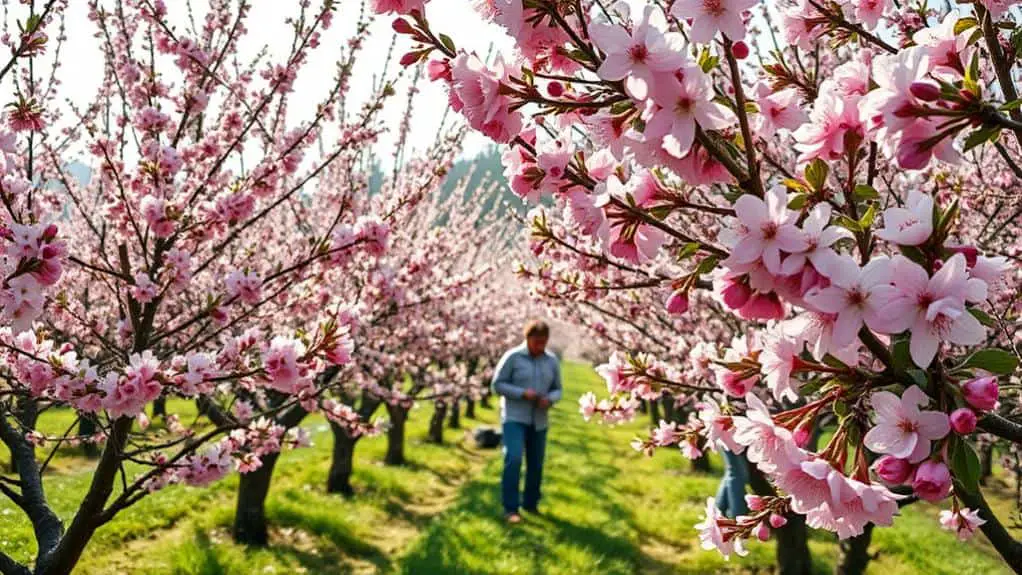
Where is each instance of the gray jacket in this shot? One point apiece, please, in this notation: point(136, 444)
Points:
point(518, 371)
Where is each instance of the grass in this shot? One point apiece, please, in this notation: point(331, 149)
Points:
point(606, 510)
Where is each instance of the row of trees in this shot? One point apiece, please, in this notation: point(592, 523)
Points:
point(795, 217)
point(226, 248)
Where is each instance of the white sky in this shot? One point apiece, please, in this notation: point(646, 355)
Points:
point(82, 62)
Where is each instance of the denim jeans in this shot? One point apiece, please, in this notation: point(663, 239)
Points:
point(731, 493)
point(519, 439)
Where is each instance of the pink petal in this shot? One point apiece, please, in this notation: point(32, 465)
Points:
point(966, 330)
point(933, 424)
point(890, 439)
point(924, 343)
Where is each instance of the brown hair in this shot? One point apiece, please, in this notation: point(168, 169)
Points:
point(537, 327)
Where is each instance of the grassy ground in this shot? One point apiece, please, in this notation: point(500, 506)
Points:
point(606, 510)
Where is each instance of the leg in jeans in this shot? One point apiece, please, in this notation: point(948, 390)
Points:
point(735, 480)
point(722, 490)
point(514, 444)
point(535, 449)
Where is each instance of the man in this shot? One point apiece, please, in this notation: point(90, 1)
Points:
point(528, 379)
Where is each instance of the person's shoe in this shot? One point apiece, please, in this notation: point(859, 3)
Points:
point(513, 518)
point(531, 510)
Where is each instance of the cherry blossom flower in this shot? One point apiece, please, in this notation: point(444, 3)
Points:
point(765, 229)
point(856, 295)
point(902, 429)
point(710, 16)
point(911, 225)
point(819, 238)
point(932, 481)
point(963, 522)
point(712, 537)
point(680, 102)
point(780, 110)
point(933, 308)
point(637, 58)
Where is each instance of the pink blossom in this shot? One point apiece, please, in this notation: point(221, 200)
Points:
point(933, 308)
point(712, 537)
point(932, 481)
point(281, 363)
point(963, 421)
point(778, 358)
point(778, 111)
point(893, 470)
point(680, 102)
point(833, 120)
point(677, 302)
point(765, 229)
point(856, 295)
point(982, 393)
point(768, 445)
point(245, 285)
point(710, 16)
point(638, 57)
point(144, 290)
point(963, 522)
point(819, 238)
point(479, 97)
point(397, 6)
point(901, 429)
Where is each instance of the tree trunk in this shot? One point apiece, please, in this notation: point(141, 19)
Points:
point(654, 411)
point(454, 422)
point(27, 413)
point(250, 514)
point(792, 556)
point(86, 429)
point(855, 555)
point(986, 459)
point(470, 408)
point(342, 463)
point(701, 464)
point(484, 402)
point(436, 425)
point(160, 407)
point(643, 406)
point(396, 435)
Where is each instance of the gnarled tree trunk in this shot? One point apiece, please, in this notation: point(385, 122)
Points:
point(250, 514)
point(654, 411)
point(396, 435)
point(87, 427)
point(855, 555)
point(436, 425)
point(454, 422)
point(342, 463)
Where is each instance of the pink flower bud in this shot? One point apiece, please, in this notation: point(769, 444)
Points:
point(754, 502)
point(740, 50)
point(971, 253)
point(401, 26)
point(762, 531)
point(763, 307)
point(932, 481)
point(677, 302)
point(981, 392)
point(555, 89)
point(777, 521)
point(439, 69)
point(925, 91)
point(892, 469)
point(735, 295)
point(50, 232)
point(410, 58)
point(801, 435)
point(963, 421)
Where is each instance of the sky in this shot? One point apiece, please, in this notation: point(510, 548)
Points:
point(82, 62)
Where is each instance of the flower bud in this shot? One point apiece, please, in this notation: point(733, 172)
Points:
point(981, 393)
point(740, 50)
point(555, 89)
point(754, 502)
point(50, 232)
point(925, 91)
point(971, 253)
point(892, 469)
point(736, 294)
point(777, 521)
point(801, 435)
point(410, 58)
point(677, 302)
point(932, 481)
point(762, 531)
point(963, 421)
point(401, 26)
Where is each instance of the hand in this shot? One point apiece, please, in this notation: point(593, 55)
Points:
point(543, 403)
point(530, 395)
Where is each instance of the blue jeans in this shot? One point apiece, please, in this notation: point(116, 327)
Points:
point(520, 438)
point(731, 493)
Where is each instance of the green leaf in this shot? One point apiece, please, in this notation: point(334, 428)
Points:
point(867, 218)
point(964, 464)
point(847, 222)
point(798, 201)
point(447, 42)
point(983, 317)
point(918, 376)
point(981, 136)
point(964, 24)
point(795, 185)
point(913, 253)
point(688, 251)
point(1012, 105)
point(901, 354)
point(864, 192)
point(993, 360)
point(816, 174)
point(840, 408)
point(707, 264)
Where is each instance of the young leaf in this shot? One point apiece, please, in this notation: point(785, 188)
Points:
point(816, 174)
point(964, 464)
point(993, 360)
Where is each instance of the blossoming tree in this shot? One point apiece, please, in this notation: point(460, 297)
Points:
point(846, 195)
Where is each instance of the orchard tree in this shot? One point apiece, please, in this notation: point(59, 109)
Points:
point(848, 195)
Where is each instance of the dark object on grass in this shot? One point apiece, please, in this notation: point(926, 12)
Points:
point(487, 437)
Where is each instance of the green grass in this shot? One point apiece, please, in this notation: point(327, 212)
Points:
point(606, 510)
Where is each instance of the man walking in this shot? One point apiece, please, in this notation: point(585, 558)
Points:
point(528, 379)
